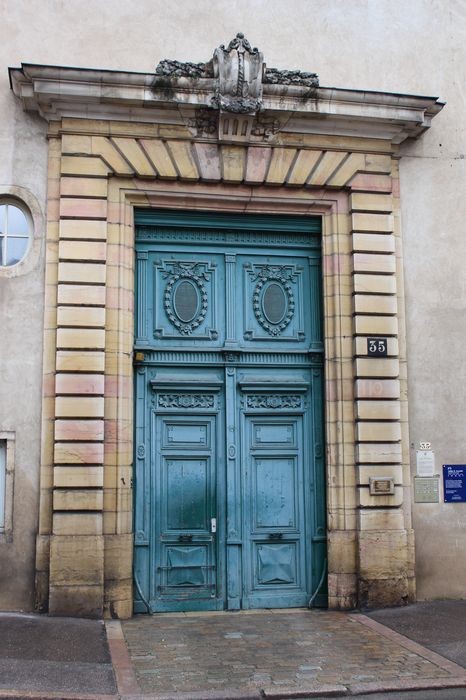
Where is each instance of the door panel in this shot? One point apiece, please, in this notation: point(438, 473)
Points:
point(188, 303)
point(274, 463)
point(229, 460)
point(185, 489)
point(274, 312)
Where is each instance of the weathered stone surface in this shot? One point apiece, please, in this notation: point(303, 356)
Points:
point(76, 601)
point(342, 591)
point(342, 551)
point(76, 560)
point(118, 556)
point(376, 593)
point(383, 554)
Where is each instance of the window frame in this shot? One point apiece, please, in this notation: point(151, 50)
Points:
point(8, 440)
point(13, 202)
point(29, 205)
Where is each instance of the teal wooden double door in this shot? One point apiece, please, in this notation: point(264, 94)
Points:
point(229, 465)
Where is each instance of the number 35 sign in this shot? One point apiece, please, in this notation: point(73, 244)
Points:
point(377, 347)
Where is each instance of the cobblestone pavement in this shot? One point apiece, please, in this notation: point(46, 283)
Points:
point(297, 649)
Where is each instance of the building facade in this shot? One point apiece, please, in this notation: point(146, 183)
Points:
point(215, 280)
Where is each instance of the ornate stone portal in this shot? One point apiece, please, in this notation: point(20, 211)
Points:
point(228, 135)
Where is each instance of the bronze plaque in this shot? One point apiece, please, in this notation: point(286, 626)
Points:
point(426, 489)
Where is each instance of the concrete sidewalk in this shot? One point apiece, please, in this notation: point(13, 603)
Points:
point(256, 654)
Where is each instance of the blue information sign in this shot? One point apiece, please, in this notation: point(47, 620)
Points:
point(454, 483)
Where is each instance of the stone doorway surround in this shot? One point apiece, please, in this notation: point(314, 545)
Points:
point(229, 135)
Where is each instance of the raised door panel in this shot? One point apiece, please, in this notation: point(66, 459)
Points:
point(181, 299)
point(184, 502)
point(275, 308)
point(273, 462)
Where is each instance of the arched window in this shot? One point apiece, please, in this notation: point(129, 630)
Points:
point(15, 232)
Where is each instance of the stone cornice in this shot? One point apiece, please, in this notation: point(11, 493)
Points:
point(56, 92)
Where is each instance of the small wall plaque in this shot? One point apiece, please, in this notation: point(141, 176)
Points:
point(377, 347)
point(426, 489)
point(381, 486)
point(454, 483)
point(425, 462)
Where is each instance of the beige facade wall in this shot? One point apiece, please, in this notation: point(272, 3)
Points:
point(384, 46)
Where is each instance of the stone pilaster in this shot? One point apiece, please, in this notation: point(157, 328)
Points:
point(77, 544)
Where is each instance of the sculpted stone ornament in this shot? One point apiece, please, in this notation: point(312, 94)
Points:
point(273, 76)
point(177, 69)
point(232, 85)
point(239, 70)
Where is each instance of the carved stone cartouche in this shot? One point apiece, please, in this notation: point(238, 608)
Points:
point(239, 70)
point(240, 73)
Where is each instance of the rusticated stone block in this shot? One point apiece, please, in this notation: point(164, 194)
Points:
point(373, 243)
point(383, 554)
point(83, 208)
point(121, 609)
point(377, 389)
point(378, 452)
point(79, 430)
point(77, 523)
point(118, 598)
point(376, 593)
point(76, 601)
point(377, 367)
point(374, 284)
point(371, 431)
point(118, 556)
point(342, 551)
point(81, 384)
point(76, 560)
point(41, 588)
point(80, 165)
point(371, 202)
point(375, 304)
point(80, 228)
point(76, 476)
point(84, 186)
point(78, 453)
point(79, 406)
point(381, 518)
point(376, 325)
point(95, 251)
point(366, 471)
point(368, 501)
point(80, 361)
point(78, 499)
point(342, 591)
point(377, 410)
point(373, 222)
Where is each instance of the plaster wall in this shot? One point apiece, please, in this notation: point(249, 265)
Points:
point(381, 45)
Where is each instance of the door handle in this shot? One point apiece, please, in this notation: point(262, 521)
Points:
point(213, 525)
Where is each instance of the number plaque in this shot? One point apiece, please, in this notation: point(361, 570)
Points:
point(377, 347)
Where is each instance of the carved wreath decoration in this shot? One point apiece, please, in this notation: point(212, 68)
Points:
point(194, 273)
point(283, 275)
